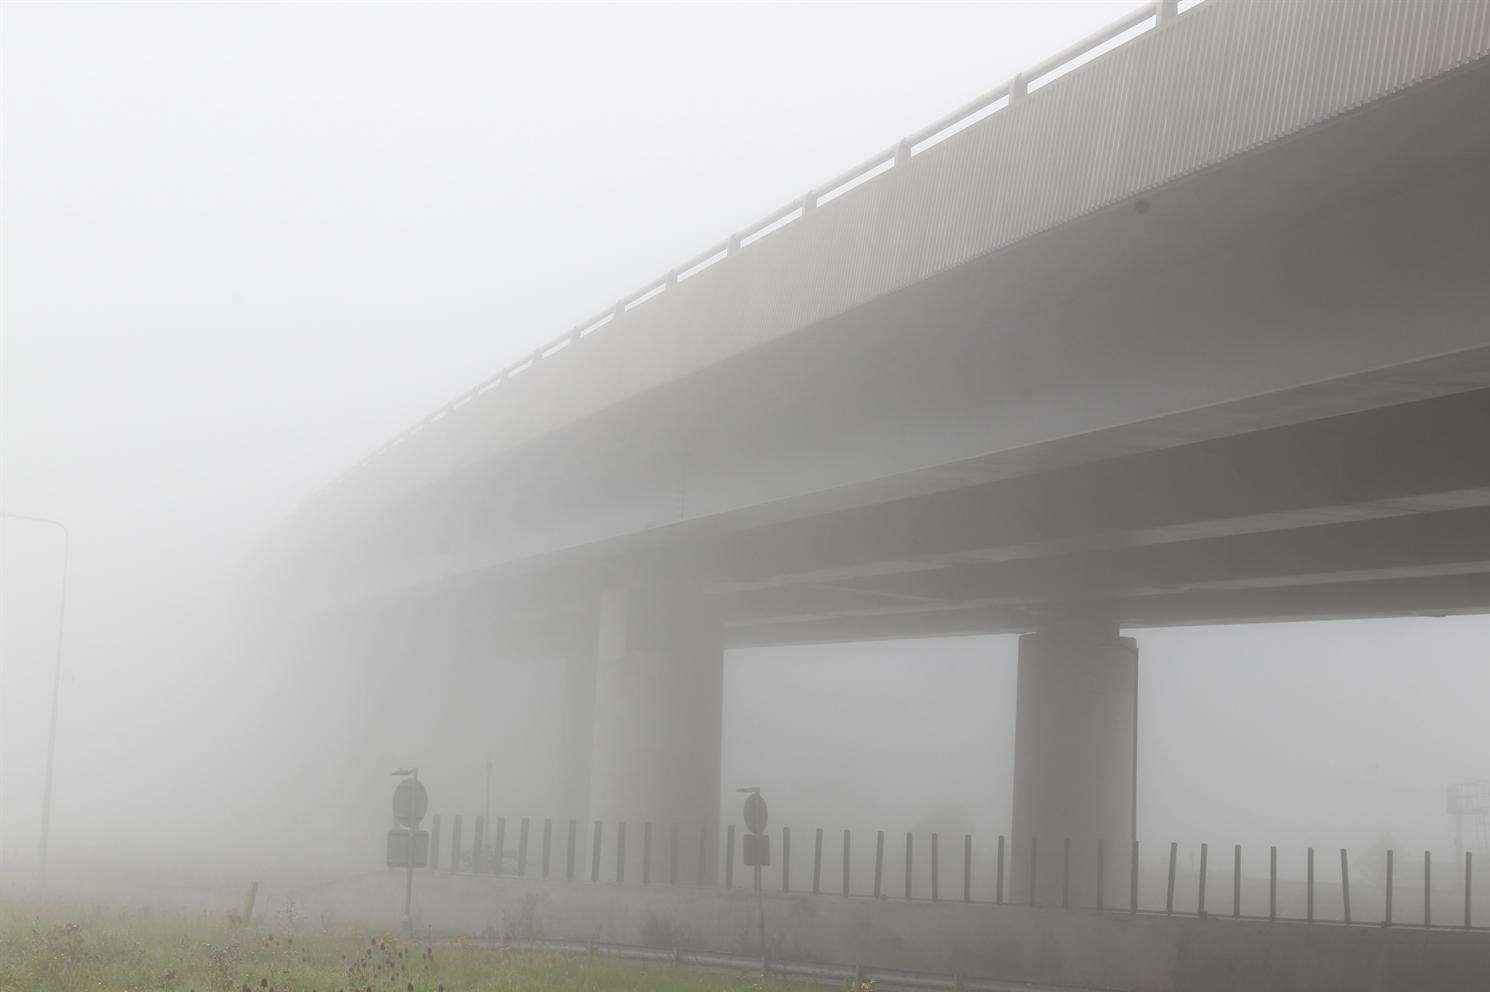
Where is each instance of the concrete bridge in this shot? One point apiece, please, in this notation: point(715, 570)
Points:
point(1197, 332)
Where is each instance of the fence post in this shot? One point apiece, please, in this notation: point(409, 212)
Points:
point(1427, 888)
point(1200, 895)
point(908, 842)
point(569, 854)
point(1133, 880)
point(1174, 850)
point(703, 851)
point(522, 848)
point(478, 845)
point(1099, 874)
point(879, 861)
point(647, 852)
point(1272, 883)
point(786, 859)
point(998, 893)
point(846, 839)
point(1386, 919)
point(935, 857)
point(729, 857)
point(501, 844)
point(455, 844)
point(967, 867)
point(548, 836)
point(620, 852)
point(595, 856)
point(1468, 877)
point(672, 855)
point(1309, 889)
point(434, 842)
point(1236, 882)
point(817, 862)
point(1345, 884)
point(1034, 864)
point(1066, 875)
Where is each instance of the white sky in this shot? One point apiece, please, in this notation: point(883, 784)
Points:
point(245, 243)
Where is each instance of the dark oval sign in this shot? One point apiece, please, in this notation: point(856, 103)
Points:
point(755, 813)
point(410, 796)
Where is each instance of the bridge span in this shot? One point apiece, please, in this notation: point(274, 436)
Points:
point(1195, 333)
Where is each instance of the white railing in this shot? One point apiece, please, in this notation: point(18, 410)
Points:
point(1135, 22)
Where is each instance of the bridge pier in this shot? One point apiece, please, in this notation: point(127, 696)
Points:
point(657, 702)
point(1074, 768)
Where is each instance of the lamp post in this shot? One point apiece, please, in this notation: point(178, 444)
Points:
point(46, 801)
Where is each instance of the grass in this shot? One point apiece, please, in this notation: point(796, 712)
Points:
point(70, 949)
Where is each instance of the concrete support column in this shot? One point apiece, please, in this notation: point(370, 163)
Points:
point(1074, 762)
point(659, 686)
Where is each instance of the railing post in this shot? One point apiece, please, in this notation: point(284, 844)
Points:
point(967, 867)
point(1345, 884)
point(455, 844)
point(1099, 874)
point(1200, 894)
point(595, 856)
point(522, 848)
point(846, 839)
point(817, 861)
point(703, 851)
point(908, 842)
point(1427, 889)
point(1034, 866)
point(1386, 918)
point(501, 845)
point(1309, 889)
point(935, 857)
point(434, 842)
point(998, 892)
point(672, 855)
point(1236, 882)
point(1174, 850)
point(620, 852)
point(478, 845)
point(879, 861)
point(1272, 883)
point(786, 859)
point(1468, 878)
point(569, 853)
point(647, 852)
point(548, 836)
point(729, 857)
point(1133, 880)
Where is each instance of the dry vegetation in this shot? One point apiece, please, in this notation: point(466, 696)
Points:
point(62, 949)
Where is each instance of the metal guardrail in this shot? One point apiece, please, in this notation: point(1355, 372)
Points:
point(1158, 12)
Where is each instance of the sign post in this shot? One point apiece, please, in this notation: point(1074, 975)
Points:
point(410, 803)
point(756, 848)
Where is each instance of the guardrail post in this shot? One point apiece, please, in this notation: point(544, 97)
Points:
point(548, 834)
point(1468, 878)
point(908, 843)
point(434, 842)
point(935, 857)
point(1200, 895)
point(1427, 888)
point(786, 859)
point(1386, 918)
point(817, 862)
point(1236, 882)
point(595, 856)
point(703, 851)
point(1345, 884)
point(1309, 889)
point(620, 852)
point(455, 844)
point(672, 855)
point(1174, 850)
point(1272, 883)
point(967, 867)
point(478, 845)
point(522, 848)
point(501, 844)
point(846, 839)
point(569, 854)
point(879, 861)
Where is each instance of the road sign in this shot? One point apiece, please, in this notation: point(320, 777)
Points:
point(756, 850)
point(410, 793)
point(755, 813)
point(398, 848)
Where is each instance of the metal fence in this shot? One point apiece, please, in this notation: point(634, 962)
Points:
point(960, 870)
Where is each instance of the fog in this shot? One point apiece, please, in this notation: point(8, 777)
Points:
point(246, 244)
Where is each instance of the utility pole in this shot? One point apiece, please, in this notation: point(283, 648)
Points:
point(46, 800)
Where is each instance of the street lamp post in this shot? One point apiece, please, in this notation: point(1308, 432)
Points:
point(46, 801)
